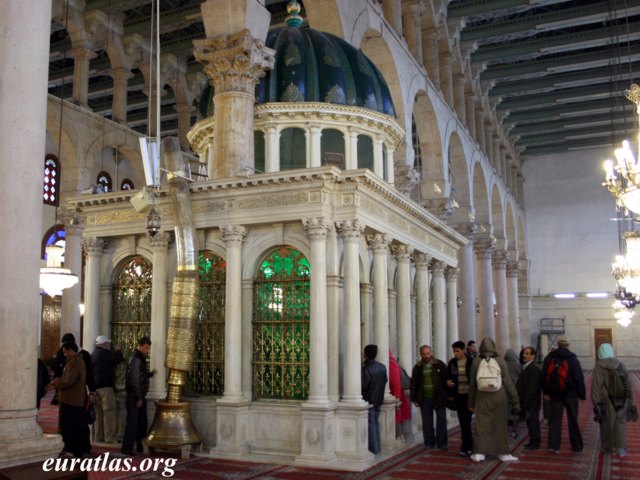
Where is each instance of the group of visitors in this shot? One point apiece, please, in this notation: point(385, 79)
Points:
point(502, 392)
point(84, 382)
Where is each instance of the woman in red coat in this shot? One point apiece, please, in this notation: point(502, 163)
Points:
point(403, 411)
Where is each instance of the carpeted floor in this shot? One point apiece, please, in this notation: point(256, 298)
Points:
point(415, 462)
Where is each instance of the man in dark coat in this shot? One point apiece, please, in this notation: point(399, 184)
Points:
point(567, 398)
point(374, 380)
point(529, 393)
point(137, 386)
point(492, 408)
point(458, 374)
point(429, 393)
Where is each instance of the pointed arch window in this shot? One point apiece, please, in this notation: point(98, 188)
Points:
point(51, 183)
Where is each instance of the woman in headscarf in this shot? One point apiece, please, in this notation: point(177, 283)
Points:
point(491, 408)
point(403, 407)
point(611, 396)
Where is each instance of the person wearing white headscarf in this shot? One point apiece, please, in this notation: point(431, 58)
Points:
point(611, 397)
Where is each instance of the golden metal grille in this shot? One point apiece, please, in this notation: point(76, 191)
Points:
point(51, 314)
point(281, 326)
point(207, 376)
point(131, 314)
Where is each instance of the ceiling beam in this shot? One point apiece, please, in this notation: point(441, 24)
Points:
point(470, 8)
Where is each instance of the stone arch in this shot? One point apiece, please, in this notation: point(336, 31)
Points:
point(430, 142)
point(480, 195)
point(497, 218)
point(458, 173)
point(256, 247)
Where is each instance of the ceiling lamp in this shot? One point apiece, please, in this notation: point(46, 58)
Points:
point(623, 314)
point(626, 269)
point(54, 278)
point(625, 187)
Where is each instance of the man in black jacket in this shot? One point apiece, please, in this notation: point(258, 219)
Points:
point(562, 390)
point(528, 387)
point(429, 393)
point(104, 364)
point(374, 380)
point(137, 386)
point(458, 378)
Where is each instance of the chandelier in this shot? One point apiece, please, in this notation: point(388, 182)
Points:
point(622, 314)
point(54, 278)
point(623, 179)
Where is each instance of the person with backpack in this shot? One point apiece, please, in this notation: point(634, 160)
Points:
point(611, 396)
point(562, 383)
point(491, 391)
point(458, 374)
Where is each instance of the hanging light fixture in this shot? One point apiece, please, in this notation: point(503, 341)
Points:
point(54, 278)
point(622, 314)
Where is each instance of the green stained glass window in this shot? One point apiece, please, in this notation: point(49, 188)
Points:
point(131, 309)
point(281, 326)
point(207, 375)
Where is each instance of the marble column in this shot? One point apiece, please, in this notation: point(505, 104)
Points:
point(500, 259)
point(71, 297)
point(235, 64)
point(121, 78)
point(439, 346)
point(351, 160)
point(378, 162)
point(247, 339)
point(514, 304)
point(423, 308)
point(272, 150)
point(467, 285)
point(366, 320)
point(94, 248)
point(23, 70)
point(318, 413)
point(232, 410)
point(403, 287)
point(159, 244)
point(412, 19)
point(352, 411)
point(390, 167)
point(451, 274)
point(81, 58)
point(393, 317)
point(484, 247)
point(334, 312)
point(379, 244)
point(315, 145)
point(432, 56)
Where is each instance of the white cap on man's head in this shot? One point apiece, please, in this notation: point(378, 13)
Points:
point(102, 339)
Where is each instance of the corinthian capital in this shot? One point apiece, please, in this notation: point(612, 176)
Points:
point(512, 268)
point(484, 245)
point(72, 221)
point(350, 229)
point(402, 252)
point(233, 234)
point(160, 240)
point(379, 242)
point(316, 227)
point(93, 245)
point(236, 62)
point(422, 260)
point(500, 259)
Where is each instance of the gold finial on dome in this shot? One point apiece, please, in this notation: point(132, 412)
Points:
point(294, 20)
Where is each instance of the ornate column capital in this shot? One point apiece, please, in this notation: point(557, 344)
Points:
point(233, 234)
point(468, 229)
point(437, 267)
point(160, 241)
point(451, 273)
point(316, 228)
point(72, 221)
point(513, 266)
point(500, 258)
point(441, 207)
point(94, 246)
point(422, 260)
point(350, 230)
point(484, 246)
point(379, 242)
point(235, 63)
point(82, 53)
point(402, 252)
point(120, 73)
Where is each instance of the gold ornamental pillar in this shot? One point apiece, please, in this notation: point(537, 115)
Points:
point(173, 426)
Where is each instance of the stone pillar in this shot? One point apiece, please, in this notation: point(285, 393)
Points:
point(500, 259)
point(423, 308)
point(351, 160)
point(318, 413)
point(446, 78)
point(70, 311)
point(439, 317)
point(393, 316)
point(272, 150)
point(94, 248)
point(412, 19)
point(514, 304)
point(23, 70)
point(403, 287)
point(120, 77)
point(390, 167)
point(184, 124)
point(81, 58)
point(365, 313)
point(484, 247)
point(392, 10)
point(432, 56)
point(351, 415)
point(470, 114)
point(159, 312)
point(315, 146)
point(334, 312)
point(378, 163)
point(232, 410)
point(458, 97)
point(451, 275)
point(467, 286)
point(247, 338)
point(235, 63)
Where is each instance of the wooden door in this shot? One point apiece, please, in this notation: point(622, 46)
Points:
point(602, 335)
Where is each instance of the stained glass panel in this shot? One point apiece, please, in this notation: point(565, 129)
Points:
point(281, 326)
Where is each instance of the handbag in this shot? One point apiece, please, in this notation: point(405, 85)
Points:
point(632, 413)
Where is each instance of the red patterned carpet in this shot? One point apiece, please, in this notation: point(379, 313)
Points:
point(416, 463)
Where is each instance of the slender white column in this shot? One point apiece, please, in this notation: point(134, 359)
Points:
point(120, 77)
point(23, 109)
point(350, 231)
point(378, 164)
point(514, 304)
point(315, 135)
point(334, 304)
point(439, 317)
point(159, 312)
point(233, 235)
point(484, 247)
point(403, 287)
point(81, 58)
point(393, 316)
point(316, 229)
point(467, 285)
point(366, 320)
point(423, 309)
point(451, 274)
point(94, 248)
point(390, 167)
point(247, 339)
point(272, 150)
point(352, 150)
point(379, 244)
point(70, 321)
point(500, 259)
